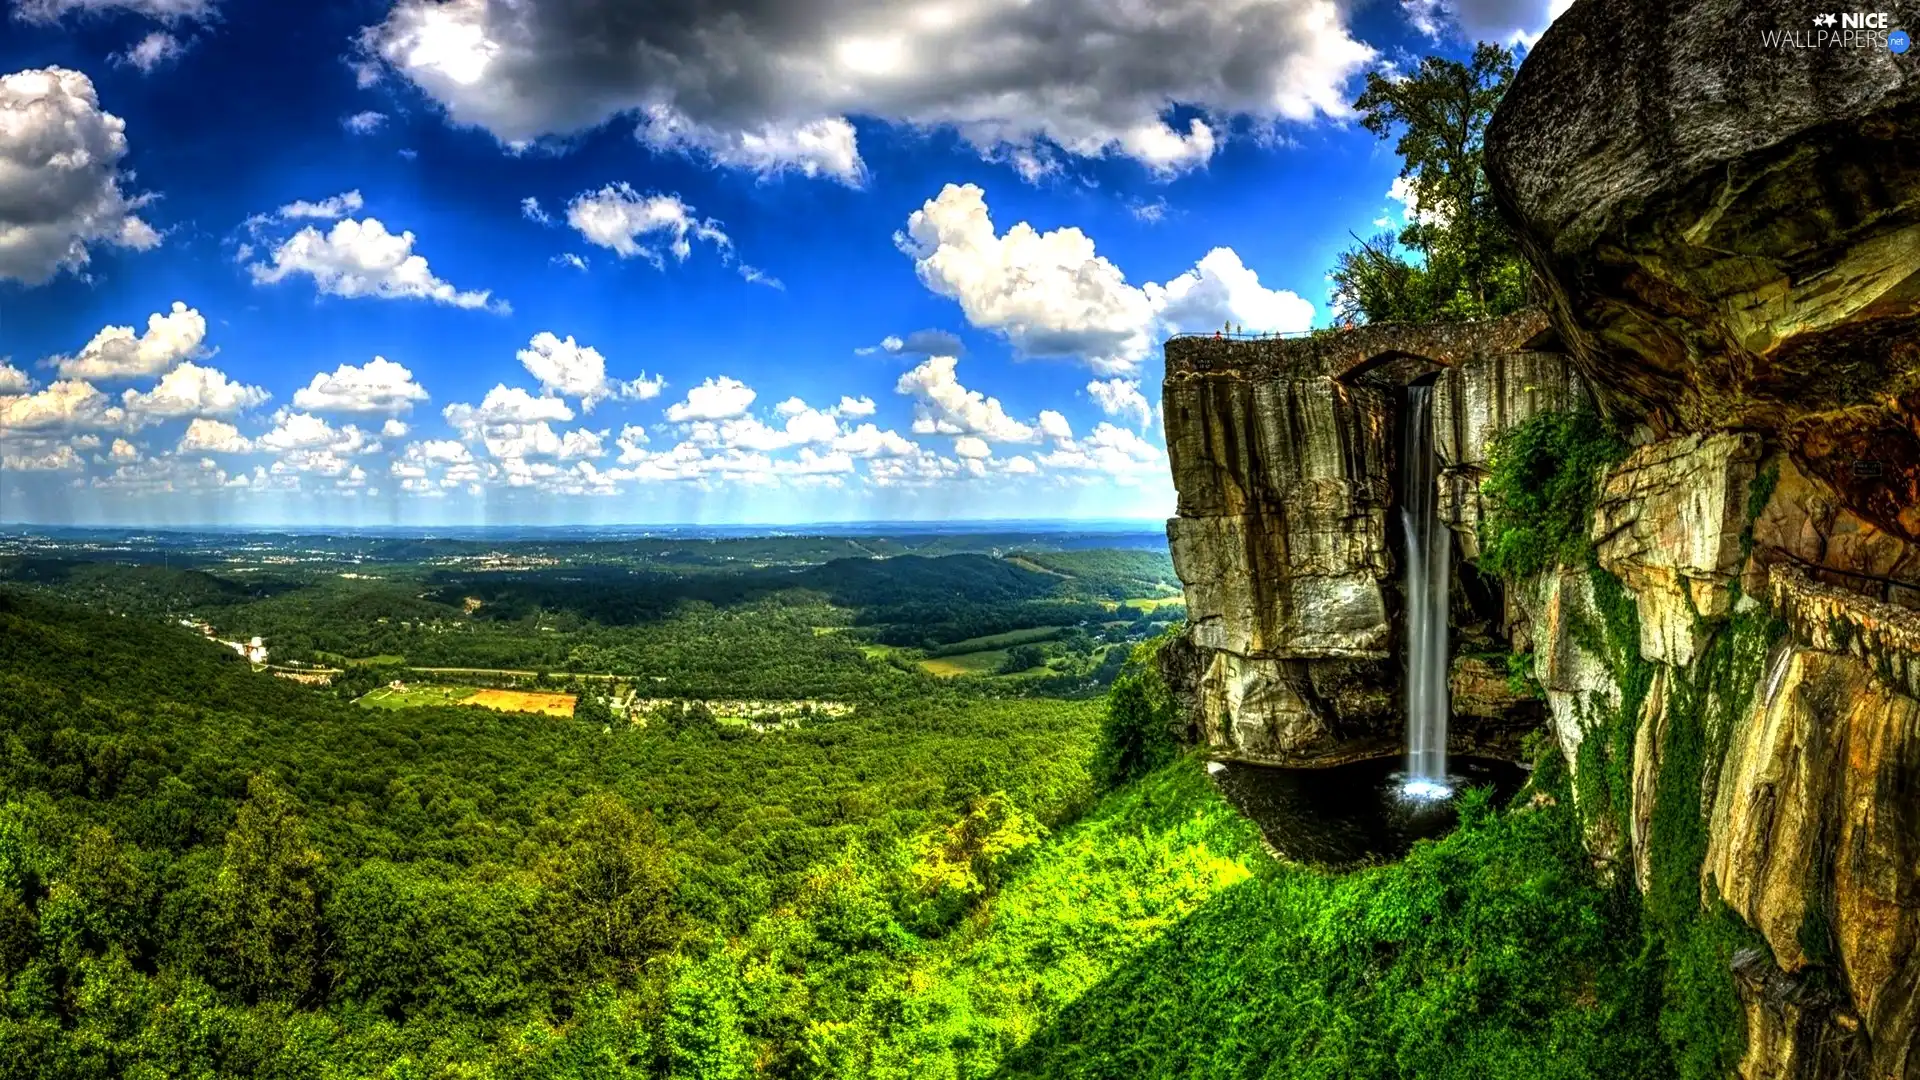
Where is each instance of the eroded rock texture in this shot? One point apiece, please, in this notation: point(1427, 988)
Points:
point(1473, 402)
point(1730, 240)
point(1805, 523)
point(1730, 233)
point(1816, 843)
point(1668, 524)
point(1282, 453)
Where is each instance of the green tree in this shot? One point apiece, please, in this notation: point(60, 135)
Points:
point(701, 1028)
point(1022, 658)
point(266, 899)
point(975, 855)
point(1459, 259)
point(592, 708)
point(610, 891)
point(95, 905)
point(1138, 733)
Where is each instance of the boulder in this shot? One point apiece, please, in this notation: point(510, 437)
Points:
point(1729, 232)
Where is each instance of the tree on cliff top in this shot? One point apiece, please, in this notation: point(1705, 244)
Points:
point(1464, 263)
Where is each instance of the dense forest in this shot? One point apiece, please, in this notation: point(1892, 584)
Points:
point(206, 871)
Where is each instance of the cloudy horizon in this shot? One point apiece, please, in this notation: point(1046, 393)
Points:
point(458, 262)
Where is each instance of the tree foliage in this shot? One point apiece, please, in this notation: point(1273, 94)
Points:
point(1454, 259)
point(265, 904)
point(609, 889)
point(1139, 733)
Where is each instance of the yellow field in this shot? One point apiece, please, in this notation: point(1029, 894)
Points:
point(523, 701)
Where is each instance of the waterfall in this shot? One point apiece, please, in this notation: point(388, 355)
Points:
point(1429, 552)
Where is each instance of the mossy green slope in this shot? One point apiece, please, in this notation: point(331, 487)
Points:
point(1157, 939)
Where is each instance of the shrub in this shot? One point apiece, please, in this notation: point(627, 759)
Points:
point(1543, 476)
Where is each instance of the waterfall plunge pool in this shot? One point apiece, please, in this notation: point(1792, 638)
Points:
point(1349, 815)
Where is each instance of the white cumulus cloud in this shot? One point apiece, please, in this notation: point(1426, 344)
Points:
point(381, 386)
point(60, 177)
point(41, 458)
point(116, 352)
point(715, 399)
point(327, 209)
point(565, 367)
point(13, 380)
point(299, 431)
point(1122, 398)
point(208, 436)
point(67, 405)
point(944, 407)
point(360, 258)
point(191, 390)
point(1053, 294)
point(633, 225)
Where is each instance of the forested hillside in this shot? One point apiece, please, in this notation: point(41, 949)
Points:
point(207, 871)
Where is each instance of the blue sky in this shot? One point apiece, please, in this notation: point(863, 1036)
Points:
point(741, 261)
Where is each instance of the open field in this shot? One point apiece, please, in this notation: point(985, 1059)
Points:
point(974, 663)
point(1000, 641)
point(523, 701)
point(360, 661)
point(1153, 603)
point(412, 697)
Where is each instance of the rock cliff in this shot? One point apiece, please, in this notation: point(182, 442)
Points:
point(1282, 453)
point(1728, 232)
point(1727, 240)
point(1728, 237)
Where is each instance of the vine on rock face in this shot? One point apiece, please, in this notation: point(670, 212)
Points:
point(1544, 479)
point(1697, 935)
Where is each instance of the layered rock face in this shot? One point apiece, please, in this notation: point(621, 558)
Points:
point(1816, 843)
point(1729, 238)
point(1281, 453)
point(1668, 524)
point(1729, 232)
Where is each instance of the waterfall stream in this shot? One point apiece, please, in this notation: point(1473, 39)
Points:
point(1429, 553)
